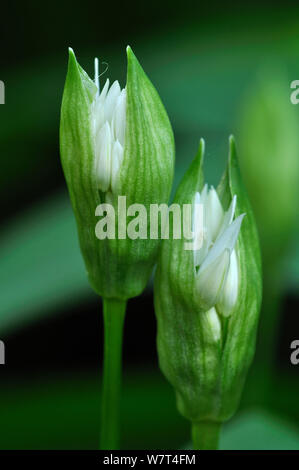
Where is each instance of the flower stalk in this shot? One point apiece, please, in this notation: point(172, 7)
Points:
point(205, 435)
point(114, 315)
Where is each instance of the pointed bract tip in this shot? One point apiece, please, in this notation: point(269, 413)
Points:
point(71, 51)
point(202, 146)
point(129, 51)
point(131, 57)
point(133, 65)
point(232, 143)
point(200, 151)
point(72, 57)
point(232, 153)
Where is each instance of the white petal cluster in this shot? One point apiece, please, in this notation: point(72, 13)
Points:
point(216, 262)
point(109, 124)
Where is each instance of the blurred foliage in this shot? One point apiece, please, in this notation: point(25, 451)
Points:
point(64, 414)
point(202, 72)
point(41, 266)
point(259, 430)
point(269, 150)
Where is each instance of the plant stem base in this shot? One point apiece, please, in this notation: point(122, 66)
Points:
point(114, 315)
point(205, 435)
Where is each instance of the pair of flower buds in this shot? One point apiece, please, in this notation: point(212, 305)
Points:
point(120, 143)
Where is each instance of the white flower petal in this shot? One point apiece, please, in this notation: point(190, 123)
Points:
point(111, 100)
point(214, 213)
point(103, 149)
point(119, 118)
point(196, 229)
point(204, 194)
point(117, 157)
point(213, 323)
point(210, 280)
point(229, 215)
point(226, 241)
point(99, 115)
point(229, 294)
point(203, 252)
point(103, 93)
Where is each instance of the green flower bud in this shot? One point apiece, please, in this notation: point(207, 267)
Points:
point(115, 143)
point(207, 300)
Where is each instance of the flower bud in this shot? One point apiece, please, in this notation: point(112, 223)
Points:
point(115, 143)
point(207, 300)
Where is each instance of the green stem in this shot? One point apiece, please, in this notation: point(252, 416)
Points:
point(114, 314)
point(205, 435)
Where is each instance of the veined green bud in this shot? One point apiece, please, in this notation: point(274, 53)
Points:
point(207, 299)
point(115, 143)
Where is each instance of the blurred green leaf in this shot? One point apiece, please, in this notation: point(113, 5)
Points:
point(64, 413)
point(41, 264)
point(259, 430)
point(269, 149)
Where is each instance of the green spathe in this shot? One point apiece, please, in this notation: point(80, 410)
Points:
point(116, 268)
point(208, 370)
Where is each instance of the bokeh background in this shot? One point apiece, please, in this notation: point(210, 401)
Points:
point(219, 70)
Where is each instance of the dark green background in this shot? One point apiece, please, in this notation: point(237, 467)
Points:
point(205, 63)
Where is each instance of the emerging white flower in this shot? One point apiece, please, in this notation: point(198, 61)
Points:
point(216, 262)
point(213, 324)
point(109, 125)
